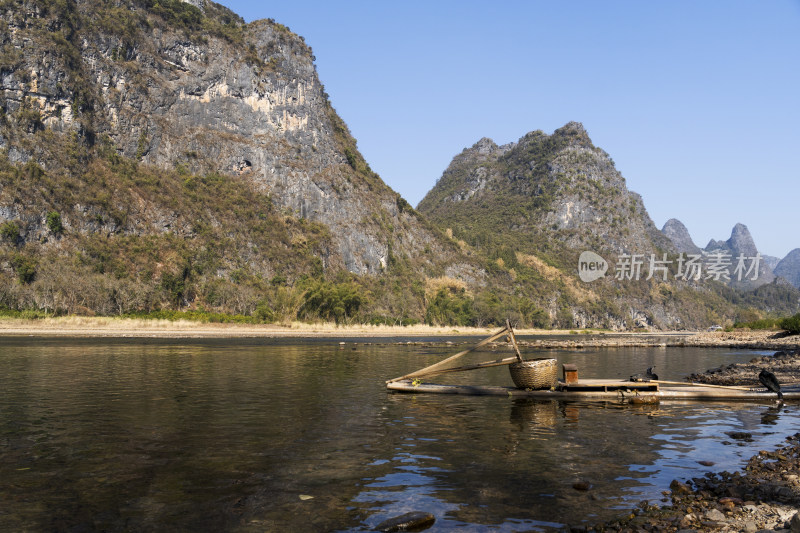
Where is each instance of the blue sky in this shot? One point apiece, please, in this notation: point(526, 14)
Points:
point(698, 103)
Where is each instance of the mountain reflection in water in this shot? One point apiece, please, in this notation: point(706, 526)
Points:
point(255, 435)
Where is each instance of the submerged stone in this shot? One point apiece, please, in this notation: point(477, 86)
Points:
point(413, 521)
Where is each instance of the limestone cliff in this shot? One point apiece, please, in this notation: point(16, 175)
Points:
point(167, 149)
point(544, 185)
point(190, 86)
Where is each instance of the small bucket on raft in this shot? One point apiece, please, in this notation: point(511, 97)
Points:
point(535, 374)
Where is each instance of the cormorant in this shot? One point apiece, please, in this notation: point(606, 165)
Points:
point(649, 375)
point(769, 380)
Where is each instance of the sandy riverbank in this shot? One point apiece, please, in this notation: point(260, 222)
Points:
point(125, 327)
point(74, 326)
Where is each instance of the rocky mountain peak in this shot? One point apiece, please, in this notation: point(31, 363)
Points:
point(560, 181)
point(676, 232)
point(484, 146)
point(574, 132)
point(99, 98)
point(741, 243)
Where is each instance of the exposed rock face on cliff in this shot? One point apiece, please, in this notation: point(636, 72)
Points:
point(179, 87)
point(789, 267)
point(676, 232)
point(771, 261)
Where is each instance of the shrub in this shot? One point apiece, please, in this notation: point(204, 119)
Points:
point(54, 222)
point(264, 312)
point(332, 301)
point(791, 324)
point(9, 231)
point(761, 323)
point(25, 267)
point(451, 307)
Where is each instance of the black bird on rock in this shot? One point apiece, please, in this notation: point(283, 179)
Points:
point(769, 380)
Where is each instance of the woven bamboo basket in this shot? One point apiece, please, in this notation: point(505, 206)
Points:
point(534, 374)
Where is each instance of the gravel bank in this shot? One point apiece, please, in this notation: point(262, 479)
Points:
point(765, 497)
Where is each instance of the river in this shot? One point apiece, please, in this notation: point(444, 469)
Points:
point(289, 435)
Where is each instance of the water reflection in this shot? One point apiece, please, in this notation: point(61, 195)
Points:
point(247, 436)
point(523, 477)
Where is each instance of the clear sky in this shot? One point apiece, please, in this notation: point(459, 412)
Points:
point(697, 102)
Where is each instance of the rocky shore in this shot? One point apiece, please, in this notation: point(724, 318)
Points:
point(764, 497)
point(756, 340)
point(785, 364)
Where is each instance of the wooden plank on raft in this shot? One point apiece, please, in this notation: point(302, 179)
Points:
point(436, 366)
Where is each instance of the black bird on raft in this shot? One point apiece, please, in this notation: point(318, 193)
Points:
point(648, 375)
point(769, 380)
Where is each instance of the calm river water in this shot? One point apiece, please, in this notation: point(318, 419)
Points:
point(261, 435)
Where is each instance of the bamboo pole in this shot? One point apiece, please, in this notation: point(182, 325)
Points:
point(513, 340)
point(427, 369)
point(693, 384)
point(476, 366)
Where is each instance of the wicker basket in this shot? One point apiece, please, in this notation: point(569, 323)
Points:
point(534, 374)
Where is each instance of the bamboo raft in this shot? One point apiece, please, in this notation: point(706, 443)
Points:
point(606, 390)
point(652, 391)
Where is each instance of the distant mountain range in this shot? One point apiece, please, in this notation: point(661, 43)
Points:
point(740, 243)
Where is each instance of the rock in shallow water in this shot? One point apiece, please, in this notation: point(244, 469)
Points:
point(413, 521)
